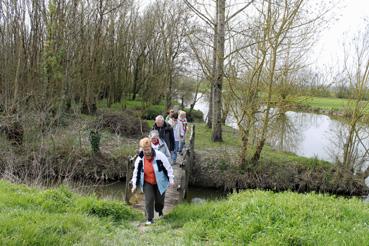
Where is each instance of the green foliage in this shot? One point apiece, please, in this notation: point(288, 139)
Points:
point(320, 91)
point(194, 116)
point(146, 112)
point(152, 111)
point(266, 218)
point(94, 138)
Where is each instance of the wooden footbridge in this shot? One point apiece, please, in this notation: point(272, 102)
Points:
point(175, 194)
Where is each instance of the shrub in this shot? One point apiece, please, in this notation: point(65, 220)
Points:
point(94, 138)
point(153, 111)
point(195, 115)
point(124, 123)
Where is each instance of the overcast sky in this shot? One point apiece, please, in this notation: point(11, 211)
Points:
point(350, 18)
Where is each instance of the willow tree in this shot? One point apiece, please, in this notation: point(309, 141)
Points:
point(281, 32)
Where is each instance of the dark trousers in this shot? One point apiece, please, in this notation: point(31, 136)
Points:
point(153, 198)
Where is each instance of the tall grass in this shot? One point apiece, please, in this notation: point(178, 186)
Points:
point(58, 217)
point(266, 218)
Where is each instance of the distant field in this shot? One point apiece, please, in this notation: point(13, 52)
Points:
point(328, 103)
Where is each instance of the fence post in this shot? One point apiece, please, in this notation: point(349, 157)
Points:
point(130, 166)
point(189, 159)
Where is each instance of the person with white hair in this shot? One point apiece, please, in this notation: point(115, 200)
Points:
point(165, 131)
point(159, 144)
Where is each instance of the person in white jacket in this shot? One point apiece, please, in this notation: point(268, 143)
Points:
point(153, 174)
point(178, 134)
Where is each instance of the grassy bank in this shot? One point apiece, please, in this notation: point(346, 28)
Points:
point(266, 218)
point(325, 103)
point(60, 217)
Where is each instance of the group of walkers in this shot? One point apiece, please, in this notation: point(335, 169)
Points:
point(153, 171)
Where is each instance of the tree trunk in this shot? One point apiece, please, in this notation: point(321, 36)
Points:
point(213, 73)
point(217, 107)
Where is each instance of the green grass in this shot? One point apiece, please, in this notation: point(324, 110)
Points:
point(203, 137)
point(328, 103)
point(266, 218)
point(287, 158)
point(58, 217)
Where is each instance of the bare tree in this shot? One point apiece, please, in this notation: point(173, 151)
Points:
point(279, 34)
point(356, 69)
point(218, 24)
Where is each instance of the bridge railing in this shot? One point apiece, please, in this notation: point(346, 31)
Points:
point(130, 165)
point(188, 160)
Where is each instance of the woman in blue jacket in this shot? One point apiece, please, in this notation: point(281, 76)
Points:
point(153, 174)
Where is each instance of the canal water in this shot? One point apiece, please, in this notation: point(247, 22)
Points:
point(116, 191)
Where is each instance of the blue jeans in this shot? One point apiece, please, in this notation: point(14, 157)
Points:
point(174, 152)
point(181, 145)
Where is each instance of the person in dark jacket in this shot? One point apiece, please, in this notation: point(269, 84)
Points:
point(165, 131)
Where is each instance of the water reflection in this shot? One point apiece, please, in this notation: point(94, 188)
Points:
point(284, 134)
point(110, 191)
point(312, 134)
point(116, 191)
point(199, 194)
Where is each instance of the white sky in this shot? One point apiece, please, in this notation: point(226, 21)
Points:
point(350, 18)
